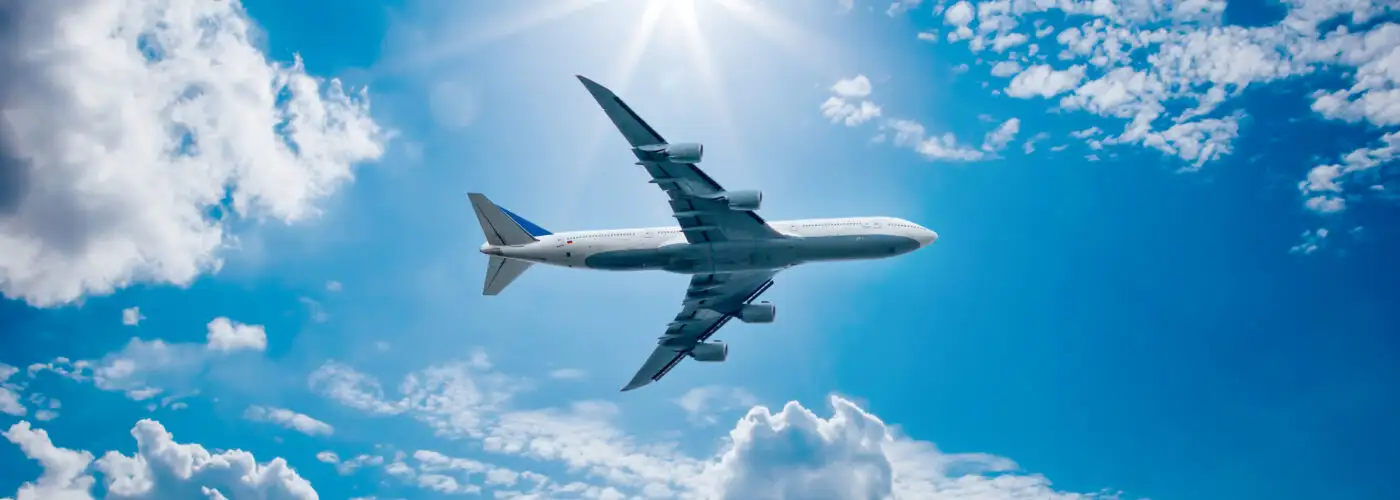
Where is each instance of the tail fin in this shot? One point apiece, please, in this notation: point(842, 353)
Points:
point(502, 227)
point(500, 272)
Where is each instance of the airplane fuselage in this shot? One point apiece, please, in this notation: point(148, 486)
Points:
point(667, 249)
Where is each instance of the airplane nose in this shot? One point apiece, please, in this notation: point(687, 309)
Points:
point(927, 237)
point(483, 248)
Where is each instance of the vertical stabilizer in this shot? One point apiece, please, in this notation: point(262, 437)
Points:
point(503, 228)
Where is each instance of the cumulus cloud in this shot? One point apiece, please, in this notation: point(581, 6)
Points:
point(1006, 68)
point(160, 468)
point(134, 131)
point(64, 474)
point(131, 316)
point(144, 369)
point(959, 16)
point(299, 422)
point(1043, 81)
point(226, 335)
point(849, 105)
point(792, 453)
point(1165, 69)
point(840, 110)
point(795, 453)
point(857, 86)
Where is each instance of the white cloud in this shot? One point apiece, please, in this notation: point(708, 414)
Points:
point(131, 316)
point(452, 398)
point(857, 86)
point(1325, 184)
point(9, 393)
point(901, 6)
point(1008, 40)
point(1004, 69)
point(790, 454)
point(997, 139)
point(348, 467)
point(160, 468)
point(848, 105)
point(144, 369)
point(1140, 61)
point(1326, 204)
point(1043, 81)
point(853, 455)
point(1029, 146)
point(567, 374)
point(701, 403)
point(842, 111)
point(334, 286)
point(299, 422)
point(959, 15)
point(945, 147)
point(1086, 133)
point(226, 336)
point(1313, 239)
point(128, 123)
point(64, 474)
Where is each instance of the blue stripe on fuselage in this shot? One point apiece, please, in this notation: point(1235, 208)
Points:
point(530, 227)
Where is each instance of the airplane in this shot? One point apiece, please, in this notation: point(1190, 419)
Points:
point(730, 252)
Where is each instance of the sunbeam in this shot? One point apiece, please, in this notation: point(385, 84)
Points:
point(480, 36)
point(811, 50)
point(700, 53)
point(626, 70)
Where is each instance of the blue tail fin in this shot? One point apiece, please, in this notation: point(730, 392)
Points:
point(530, 227)
point(502, 227)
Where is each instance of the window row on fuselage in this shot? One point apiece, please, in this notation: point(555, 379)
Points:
point(835, 223)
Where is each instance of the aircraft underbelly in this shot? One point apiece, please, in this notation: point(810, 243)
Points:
point(749, 255)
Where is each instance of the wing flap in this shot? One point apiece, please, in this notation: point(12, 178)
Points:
point(700, 318)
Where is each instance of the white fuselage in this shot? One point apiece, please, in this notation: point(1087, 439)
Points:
point(666, 248)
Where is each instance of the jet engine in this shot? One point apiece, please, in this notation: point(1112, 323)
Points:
point(743, 200)
point(762, 312)
point(710, 352)
point(686, 152)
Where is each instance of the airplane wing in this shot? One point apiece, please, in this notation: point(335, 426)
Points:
point(710, 302)
point(702, 219)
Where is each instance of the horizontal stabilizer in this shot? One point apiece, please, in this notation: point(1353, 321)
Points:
point(500, 272)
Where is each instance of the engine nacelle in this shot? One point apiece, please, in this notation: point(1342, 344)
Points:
point(744, 200)
point(762, 312)
point(710, 352)
point(686, 152)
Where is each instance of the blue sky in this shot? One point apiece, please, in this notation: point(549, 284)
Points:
point(1164, 268)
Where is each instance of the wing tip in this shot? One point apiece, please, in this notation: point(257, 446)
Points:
point(595, 88)
point(634, 385)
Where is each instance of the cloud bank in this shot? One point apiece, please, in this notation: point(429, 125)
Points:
point(133, 132)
